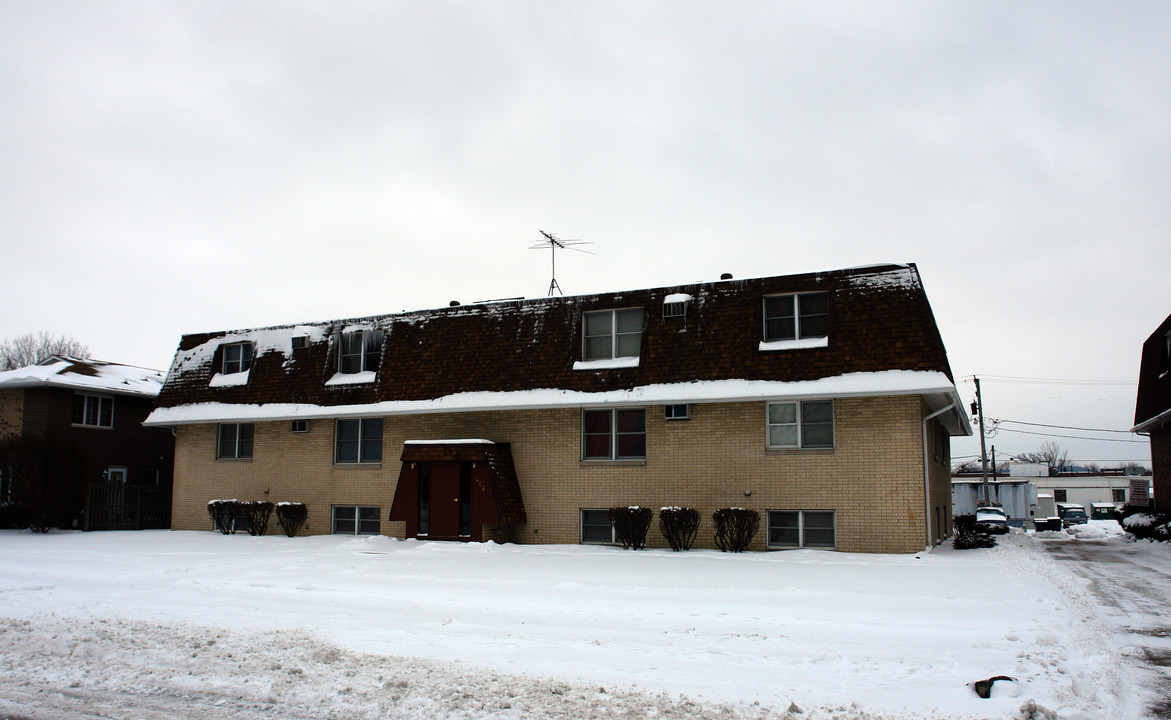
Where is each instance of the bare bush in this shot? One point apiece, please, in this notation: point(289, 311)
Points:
point(259, 511)
point(735, 528)
point(291, 516)
point(679, 526)
point(225, 514)
point(631, 525)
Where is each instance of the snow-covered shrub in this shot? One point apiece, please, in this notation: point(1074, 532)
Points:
point(970, 534)
point(259, 511)
point(291, 516)
point(735, 528)
point(1147, 526)
point(631, 525)
point(679, 526)
point(224, 514)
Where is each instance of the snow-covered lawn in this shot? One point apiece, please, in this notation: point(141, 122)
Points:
point(372, 627)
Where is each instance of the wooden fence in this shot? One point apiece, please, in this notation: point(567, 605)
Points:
point(118, 506)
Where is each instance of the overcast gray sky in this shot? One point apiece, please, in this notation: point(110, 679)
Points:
point(176, 167)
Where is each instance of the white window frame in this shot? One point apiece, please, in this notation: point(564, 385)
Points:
point(358, 520)
point(799, 424)
point(614, 539)
point(362, 441)
point(299, 426)
point(95, 403)
point(801, 530)
point(238, 427)
point(613, 334)
point(369, 355)
point(798, 317)
point(239, 364)
point(118, 474)
point(677, 411)
point(613, 434)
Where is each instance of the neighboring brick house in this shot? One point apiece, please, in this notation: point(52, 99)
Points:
point(823, 400)
point(96, 408)
point(1152, 411)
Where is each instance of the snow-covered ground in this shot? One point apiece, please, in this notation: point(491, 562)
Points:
point(168, 623)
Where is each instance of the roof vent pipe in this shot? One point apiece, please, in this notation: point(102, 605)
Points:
point(453, 303)
point(726, 276)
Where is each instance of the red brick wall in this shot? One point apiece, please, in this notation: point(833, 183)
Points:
point(1161, 462)
point(48, 411)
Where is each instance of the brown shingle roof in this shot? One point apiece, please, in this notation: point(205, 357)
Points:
point(1154, 382)
point(879, 319)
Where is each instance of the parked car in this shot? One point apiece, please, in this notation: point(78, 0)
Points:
point(994, 519)
point(1072, 514)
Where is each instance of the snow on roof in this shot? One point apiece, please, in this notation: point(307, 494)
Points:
point(887, 382)
point(901, 277)
point(264, 340)
point(77, 374)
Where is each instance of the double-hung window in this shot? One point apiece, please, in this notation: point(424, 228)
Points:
point(93, 410)
point(235, 441)
point(358, 441)
point(359, 351)
point(801, 424)
point(617, 434)
point(797, 316)
point(801, 528)
point(237, 358)
point(612, 334)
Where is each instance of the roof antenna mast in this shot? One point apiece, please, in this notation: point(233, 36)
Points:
point(554, 244)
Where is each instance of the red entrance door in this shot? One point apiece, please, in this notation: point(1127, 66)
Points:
point(449, 502)
point(445, 499)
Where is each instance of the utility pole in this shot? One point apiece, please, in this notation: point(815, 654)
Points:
point(983, 451)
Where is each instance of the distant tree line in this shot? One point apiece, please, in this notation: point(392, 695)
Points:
point(32, 348)
point(1050, 454)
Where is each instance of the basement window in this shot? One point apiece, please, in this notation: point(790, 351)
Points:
point(596, 528)
point(801, 529)
point(357, 520)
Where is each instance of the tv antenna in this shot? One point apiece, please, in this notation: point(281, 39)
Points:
point(554, 244)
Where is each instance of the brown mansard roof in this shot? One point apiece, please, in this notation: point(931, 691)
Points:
point(1154, 381)
point(879, 319)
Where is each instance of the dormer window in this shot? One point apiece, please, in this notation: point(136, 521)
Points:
point(359, 351)
point(798, 316)
point(237, 358)
point(612, 334)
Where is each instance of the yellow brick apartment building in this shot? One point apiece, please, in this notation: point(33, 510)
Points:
point(824, 401)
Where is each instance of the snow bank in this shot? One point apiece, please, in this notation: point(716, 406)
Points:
point(317, 626)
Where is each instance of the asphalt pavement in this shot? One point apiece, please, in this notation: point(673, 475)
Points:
point(1133, 586)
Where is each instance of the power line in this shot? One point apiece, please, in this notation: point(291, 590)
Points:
point(1060, 427)
point(1052, 381)
point(1072, 437)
